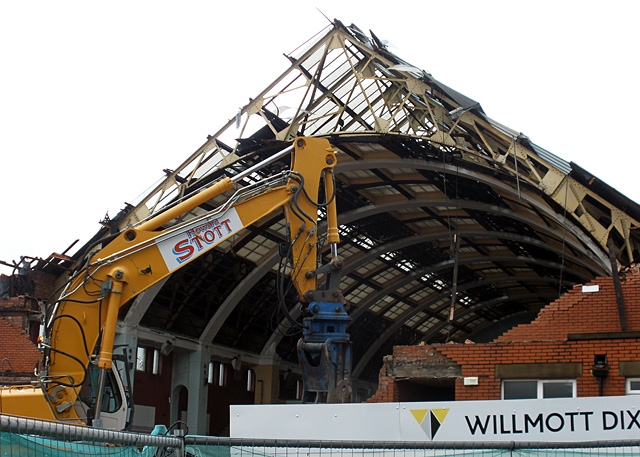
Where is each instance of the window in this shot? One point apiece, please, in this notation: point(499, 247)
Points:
point(155, 369)
point(149, 360)
point(557, 389)
point(222, 375)
point(299, 388)
point(141, 359)
point(519, 389)
point(251, 381)
point(633, 386)
point(532, 389)
point(111, 398)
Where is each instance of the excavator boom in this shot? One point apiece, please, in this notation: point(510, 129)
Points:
point(81, 323)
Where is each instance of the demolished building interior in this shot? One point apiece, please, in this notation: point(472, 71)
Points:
point(453, 226)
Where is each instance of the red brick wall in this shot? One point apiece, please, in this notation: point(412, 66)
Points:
point(578, 312)
point(545, 340)
point(44, 284)
point(18, 353)
point(387, 392)
point(22, 312)
point(35, 283)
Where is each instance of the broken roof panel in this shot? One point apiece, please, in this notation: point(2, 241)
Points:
point(436, 201)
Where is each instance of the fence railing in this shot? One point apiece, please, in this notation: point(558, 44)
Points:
point(20, 437)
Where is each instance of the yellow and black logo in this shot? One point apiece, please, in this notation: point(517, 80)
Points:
point(430, 420)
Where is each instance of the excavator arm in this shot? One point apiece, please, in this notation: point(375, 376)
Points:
point(81, 323)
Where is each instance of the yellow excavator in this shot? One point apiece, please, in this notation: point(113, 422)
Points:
point(78, 382)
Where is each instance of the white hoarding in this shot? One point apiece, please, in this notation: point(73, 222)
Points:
point(557, 420)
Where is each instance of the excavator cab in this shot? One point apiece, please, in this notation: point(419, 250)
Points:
point(116, 403)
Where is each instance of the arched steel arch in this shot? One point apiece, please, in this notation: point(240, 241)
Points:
point(352, 264)
point(490, 180)
point(269, 262)
point(578, 257)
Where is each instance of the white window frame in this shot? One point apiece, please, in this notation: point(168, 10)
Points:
point(540, 386)
point(627, 386)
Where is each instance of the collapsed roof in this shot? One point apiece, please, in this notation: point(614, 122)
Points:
point(453, 226)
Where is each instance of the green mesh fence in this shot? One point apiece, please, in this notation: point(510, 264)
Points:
point(20, 437)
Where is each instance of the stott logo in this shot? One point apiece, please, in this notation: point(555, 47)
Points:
point(430, 420)
point(197, 238)
point(200, 238)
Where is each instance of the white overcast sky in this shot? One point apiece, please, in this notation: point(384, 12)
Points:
point(96, 98)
